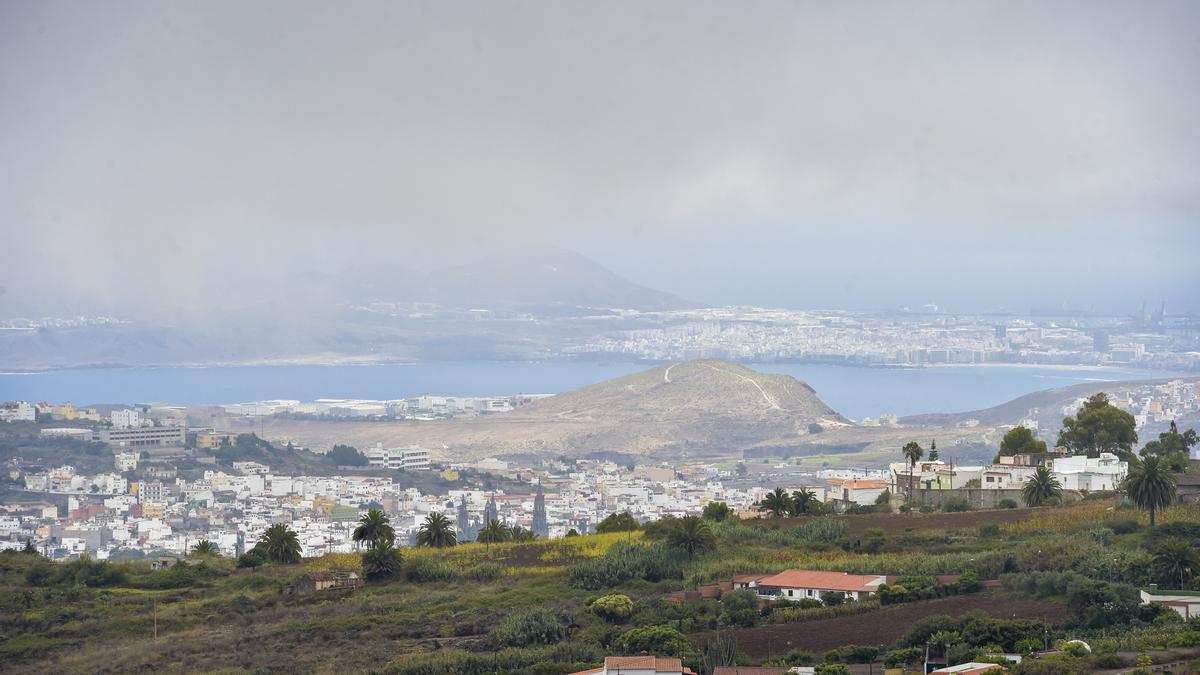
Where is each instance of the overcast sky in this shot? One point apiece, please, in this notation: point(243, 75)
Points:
point(972, 154)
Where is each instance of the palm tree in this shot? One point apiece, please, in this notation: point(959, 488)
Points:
point(777, 502)
point(436, 531)
point(494, 531)
point(382, 561)
point(1175, 561)
point(804, 501)
point(518, 533)
point(912, 452)
point(1041, 487)
point(1149, 484)
point(204, 547)
point(944, 639)
point(280, 544)
point(375, 529)
point(692, 534)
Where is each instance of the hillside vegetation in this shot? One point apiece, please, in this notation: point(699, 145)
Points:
point(558, 606)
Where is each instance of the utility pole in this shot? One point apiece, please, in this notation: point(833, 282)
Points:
point(154, 602)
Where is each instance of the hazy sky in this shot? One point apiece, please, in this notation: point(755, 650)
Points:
point(974, 154)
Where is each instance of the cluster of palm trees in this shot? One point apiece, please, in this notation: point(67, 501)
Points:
point(800, 502)
point(496, 532)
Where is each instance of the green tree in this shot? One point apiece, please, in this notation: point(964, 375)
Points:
point(884, 499)
point(280, 544)
point(204, 547)
point(933, 451)
point(1041, 487)
point(617, 522)
point(656, 640)
point(740, 469)
point(831, 669)
point(1149, 484)
point(1175, 562)
point(717, 511)
point(804, 501)
point(912, 452)
point(777, 503)
point(1099, 427)
point(692, 534)
point(1020, 441)
point(382, 561)
point(345, 455)
point(374, 528)
point(1172, 447)
point(436, 532)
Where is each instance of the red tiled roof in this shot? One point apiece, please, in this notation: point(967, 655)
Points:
point(747, 578)
point(834, 581)
point(658, 665)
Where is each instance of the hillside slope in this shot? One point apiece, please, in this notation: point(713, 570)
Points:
point(694, 408)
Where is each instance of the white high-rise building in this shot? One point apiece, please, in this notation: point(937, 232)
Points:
point(126, 419)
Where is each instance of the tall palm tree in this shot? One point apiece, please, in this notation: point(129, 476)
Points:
point(280, 544)
point(777, 502)
point(436, 531)
point(692, 534)
point(912, 452)
point(494, 531)
point(1041, 487)
point(1149, 484)
point(204, 547)
point(804, 501)
point(375, 528)
point(1175, 561)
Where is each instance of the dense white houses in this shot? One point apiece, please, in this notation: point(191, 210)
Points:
point(18, 411)
point(1079, 472)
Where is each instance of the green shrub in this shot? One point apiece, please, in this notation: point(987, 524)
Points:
point(613, 608)
point(900, 657)
point(852, 654)
point(1124, 526)
point(424, 570)
point(1008, 504)
point(252, 558)
point(536, 626)
point(833, 598)
point(956, 505)
point(484, 572)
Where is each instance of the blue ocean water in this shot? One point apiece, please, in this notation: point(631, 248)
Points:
point(855, 392)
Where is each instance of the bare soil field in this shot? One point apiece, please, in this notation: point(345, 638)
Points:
point(884, 625)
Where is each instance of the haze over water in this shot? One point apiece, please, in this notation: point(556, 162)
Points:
point(856, 392)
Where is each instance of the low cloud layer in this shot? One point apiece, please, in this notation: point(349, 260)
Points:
point(976, 154)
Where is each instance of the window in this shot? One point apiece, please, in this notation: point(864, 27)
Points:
point(789, 592)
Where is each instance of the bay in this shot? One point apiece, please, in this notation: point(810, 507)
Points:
point(856, 392)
